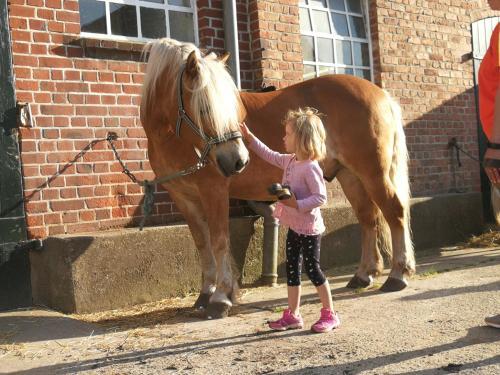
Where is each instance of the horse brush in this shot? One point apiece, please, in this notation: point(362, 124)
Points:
point(281, 191)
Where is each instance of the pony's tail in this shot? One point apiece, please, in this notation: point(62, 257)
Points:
point(399, 177)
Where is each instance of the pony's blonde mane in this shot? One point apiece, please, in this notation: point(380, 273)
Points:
point(214, 96)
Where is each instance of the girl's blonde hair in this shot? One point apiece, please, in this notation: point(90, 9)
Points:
point(309, 132)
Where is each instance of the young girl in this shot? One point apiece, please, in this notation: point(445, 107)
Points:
point(305, 144)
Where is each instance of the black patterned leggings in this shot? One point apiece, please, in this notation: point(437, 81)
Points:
point(300, 246)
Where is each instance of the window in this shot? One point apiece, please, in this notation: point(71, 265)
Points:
point(139, 19)
point(335, 37)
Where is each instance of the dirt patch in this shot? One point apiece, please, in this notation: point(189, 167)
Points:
point(435, 326)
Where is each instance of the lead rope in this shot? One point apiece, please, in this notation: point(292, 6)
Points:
point(147, 203)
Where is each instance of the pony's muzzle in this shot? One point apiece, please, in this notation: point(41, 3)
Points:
point(241, 164)
point(232, 158)
point(230, 166)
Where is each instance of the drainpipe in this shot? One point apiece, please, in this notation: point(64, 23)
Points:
point(270, 250)
point(231, 40)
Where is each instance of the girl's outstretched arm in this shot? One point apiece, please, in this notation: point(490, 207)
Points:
point(264, 152)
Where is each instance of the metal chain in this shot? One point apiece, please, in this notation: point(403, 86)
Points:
point(147, 204)
point(112, 136)
point(453, 143)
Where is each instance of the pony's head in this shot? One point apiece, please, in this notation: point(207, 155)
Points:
point(209, 96)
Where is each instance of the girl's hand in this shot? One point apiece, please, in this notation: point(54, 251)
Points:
point(290, 202)
point(245, 132)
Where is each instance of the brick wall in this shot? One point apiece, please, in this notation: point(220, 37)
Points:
point(275, 42)
point(77, 95)
point(419, 58)
point(211, 30)
point(82, 89)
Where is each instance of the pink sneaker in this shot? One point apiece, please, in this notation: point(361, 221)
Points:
point(329, 320)
point(287, 321)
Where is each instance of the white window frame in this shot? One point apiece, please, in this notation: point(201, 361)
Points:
point(334, 37)
point(145, 4)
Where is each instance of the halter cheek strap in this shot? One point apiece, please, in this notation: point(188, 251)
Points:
point(182, 115)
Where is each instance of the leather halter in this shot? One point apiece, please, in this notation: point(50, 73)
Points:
point(209, 141)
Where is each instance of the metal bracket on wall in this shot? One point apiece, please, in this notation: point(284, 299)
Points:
point(24, 116)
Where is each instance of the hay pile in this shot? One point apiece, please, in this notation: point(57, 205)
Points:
point(148, 314)
point(488, 239)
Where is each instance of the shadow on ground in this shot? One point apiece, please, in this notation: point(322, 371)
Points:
point(23, 328)
point(475, 336)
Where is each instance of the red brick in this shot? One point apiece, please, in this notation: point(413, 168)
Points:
point(55, 4)
point(105, 88)
point(50, 219)
point(68, 16)
point(79, 228)
point(101, 202)
point(56, 109)
point(55, 62)
point(67, 205)
point(37, 232)
point(21, 11)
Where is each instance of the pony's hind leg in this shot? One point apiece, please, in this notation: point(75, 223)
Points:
point(396, 214)
point(192, 210)
point(368, 215)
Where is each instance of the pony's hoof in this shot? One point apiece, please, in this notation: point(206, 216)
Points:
point(357, 282)
point(202, 301)
point(393, 285)
point(217, 310)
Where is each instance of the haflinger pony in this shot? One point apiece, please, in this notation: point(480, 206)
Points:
point(191, 110)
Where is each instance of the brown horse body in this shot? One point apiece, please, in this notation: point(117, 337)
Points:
point(366, 151)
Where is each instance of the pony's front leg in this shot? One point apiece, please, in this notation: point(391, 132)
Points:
point(193, 211)
point(216, 203)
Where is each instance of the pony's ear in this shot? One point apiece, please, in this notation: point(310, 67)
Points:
point(192, 67)
point(225, 57)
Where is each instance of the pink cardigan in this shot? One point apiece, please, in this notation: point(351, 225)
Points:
point(305, 179)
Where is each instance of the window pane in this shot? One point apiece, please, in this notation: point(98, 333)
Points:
point(93, 16)
point(325, 50)
point(309, 71)
point(361, 54)
point(305, 21)
point(326, 70)
point(155, 1)
point(354, 6)
point(181, 3)
point(337, 5)
point(321, 22)
point(318, 3)
point(345, 71)
point(153, 23)
point(357, 27)
point(340, 24)
point(181, 26)
point(123, 19)
point(363, 74)
point(344, 55)
point(307, 47)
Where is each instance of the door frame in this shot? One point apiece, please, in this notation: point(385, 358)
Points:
point(15, 283)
